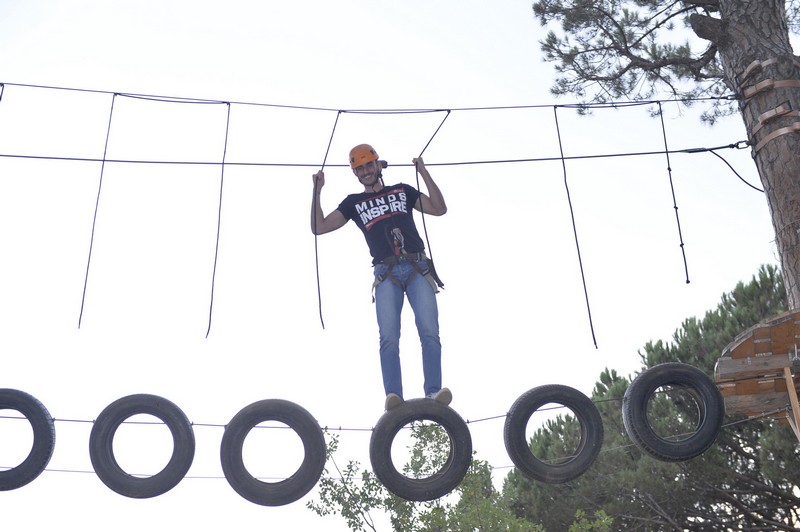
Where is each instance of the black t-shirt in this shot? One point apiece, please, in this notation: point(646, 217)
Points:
point(386, 219)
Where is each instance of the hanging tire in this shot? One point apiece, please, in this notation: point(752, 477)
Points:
point(290, 489)
point(705, 394)
point(449, 475)
point(518, 446)
point(44, 438)
point(101, 446)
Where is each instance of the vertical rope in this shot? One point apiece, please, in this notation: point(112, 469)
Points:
point(435, 132)
point(422, 211)
point(96, 206)
point(2, 90)
point(672, 189)
point(314, 208)
point(219, 218)
point(574, 226)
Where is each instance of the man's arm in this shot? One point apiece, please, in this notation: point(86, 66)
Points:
point(433, 203)
point(321, 224)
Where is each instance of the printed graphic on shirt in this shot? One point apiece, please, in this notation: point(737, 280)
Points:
point(373, 210)
point(398, 242)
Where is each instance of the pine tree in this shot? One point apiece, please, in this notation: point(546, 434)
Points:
point(747, 480)
point(735, 51)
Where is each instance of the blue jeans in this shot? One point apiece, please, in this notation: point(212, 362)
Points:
point(389, 299)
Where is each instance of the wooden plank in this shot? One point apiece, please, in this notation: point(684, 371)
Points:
point(754, 386)
point(755, 373)
point(762, 333)
point(788, 316)
point(757, 404)
point(762, 342)
point(740, 344)
point(783, 337)
point(794, 419)
point(774, 336)
point(743, 347)
point(729, 368)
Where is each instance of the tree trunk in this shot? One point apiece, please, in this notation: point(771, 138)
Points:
point(751, 32)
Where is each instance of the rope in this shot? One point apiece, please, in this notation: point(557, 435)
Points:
point(736, 145)
point(224, 163)
point(739, 145)
point(416, 172)
point(729, 97)
point(672, 188)
point(170, 99)
point(105, 159)
point(766, 415)
point(219, 218)
point(314, 210)
point(96, 206)
point(574, 227)
point(435, 132)
point(743, 180)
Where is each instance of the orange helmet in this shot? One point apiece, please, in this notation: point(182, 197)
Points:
point(362, 154)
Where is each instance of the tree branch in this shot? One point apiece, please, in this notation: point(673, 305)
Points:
point(708, 28)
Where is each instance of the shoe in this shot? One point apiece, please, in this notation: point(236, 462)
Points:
point(392, 401)
point(443, 396)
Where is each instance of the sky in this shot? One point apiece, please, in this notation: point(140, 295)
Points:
point(513, 313)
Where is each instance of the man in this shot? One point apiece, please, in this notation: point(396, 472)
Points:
point(384, 215)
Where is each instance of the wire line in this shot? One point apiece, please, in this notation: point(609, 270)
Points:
point(185, 100)
point(314, 206)
point(712, 150)
point(574, 226)
point(219, 219)
point(96, 208)
point(416, 171)
point(672, 189)
point(766, 415)
point(373, 111)
point(743, 180)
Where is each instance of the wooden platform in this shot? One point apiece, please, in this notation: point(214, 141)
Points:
point(757, 373)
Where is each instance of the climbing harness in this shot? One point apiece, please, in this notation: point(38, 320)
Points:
point(428, 272)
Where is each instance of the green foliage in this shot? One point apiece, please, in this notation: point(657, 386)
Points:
point(700, 342)
point(345, 495)
point(602, 522)
point(613, 49)
point(567, 430)
point(747, 479)
point(356, 495)
point(555, 505)
point(479, 506)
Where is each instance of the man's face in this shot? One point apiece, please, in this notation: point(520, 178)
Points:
point(368, 173)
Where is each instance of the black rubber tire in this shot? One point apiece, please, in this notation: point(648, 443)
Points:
point(702, 388)
point(285, 491)
point(44, 438)
point(101, 446)
point(518, 446)
point(443, 481)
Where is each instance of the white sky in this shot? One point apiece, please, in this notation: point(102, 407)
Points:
point(513, 314)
